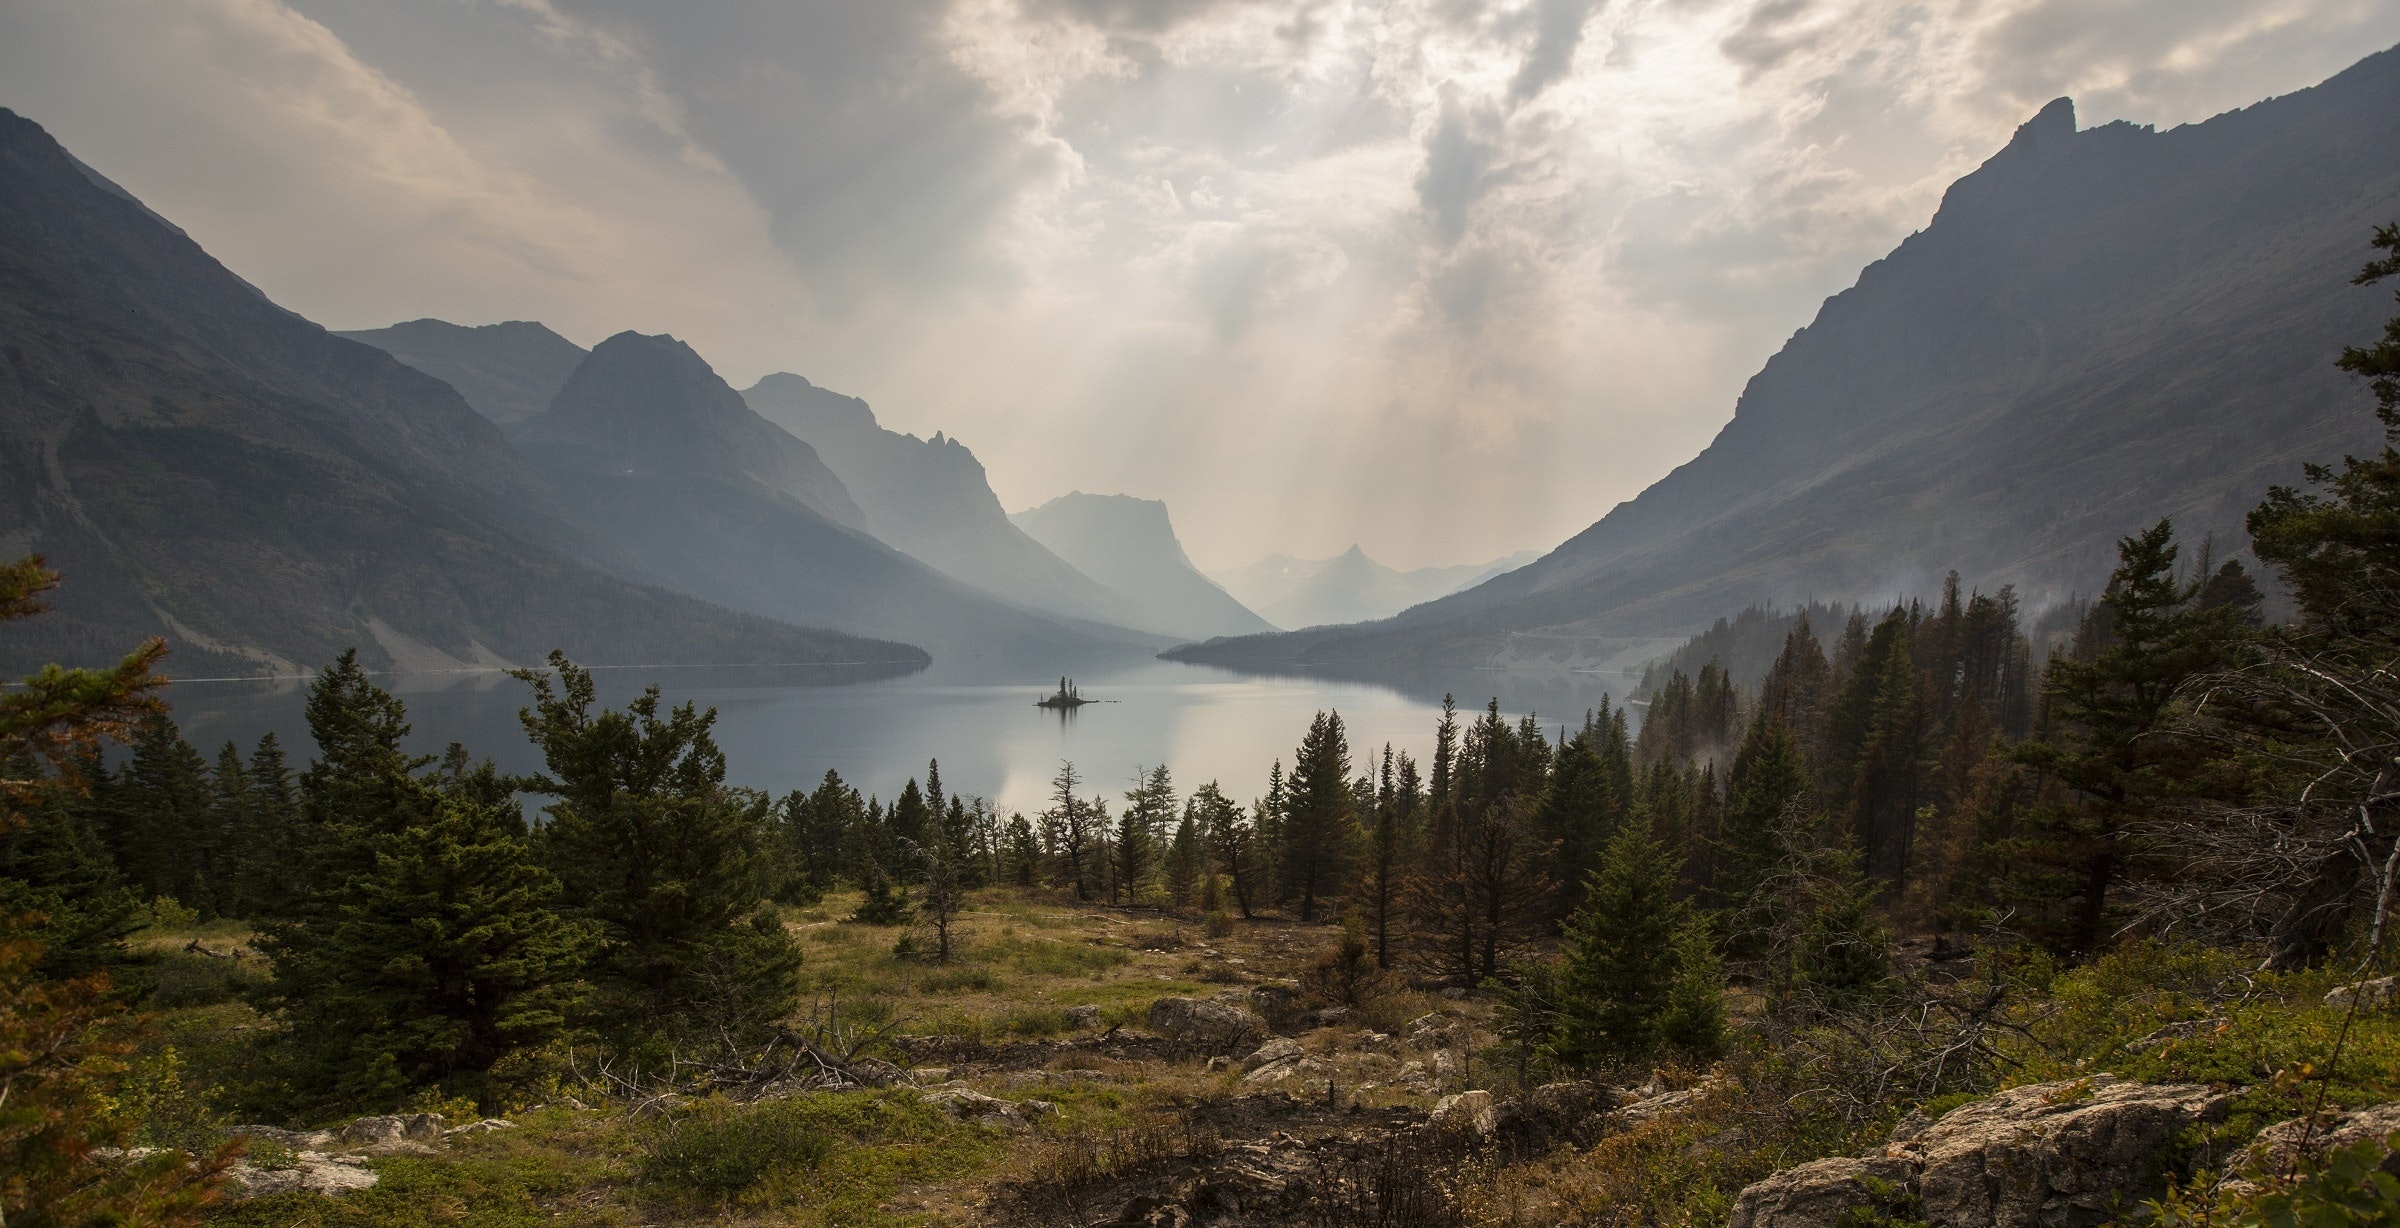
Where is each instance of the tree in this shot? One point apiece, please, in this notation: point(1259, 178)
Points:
point(2144, 640)
point(1635, 975)
point(1148, 806)
point(1232, 840)
point(672, 865)
point(947, 865)
point(1024, 852)
point(1069, 830)
point(1391, 851)
point(1885, 790)
point(437, 949)
point(62, 1041)
point(1187, 862)
point(1320, 826)
point(162, 835)
point(1770, 798)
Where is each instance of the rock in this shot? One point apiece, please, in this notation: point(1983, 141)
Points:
point(1661, 1103)
point(291, 1140)
point(927, 1076)
point(1465, 1112)
point(311, 1172)
point(1277, 1049)
point(1819, 1194)
point(1220, 1062)
point(875, 1072)
point(967, 1104)
point(1427, 1031)
point(1372, 1041)
point(1151, 1212)
point(1273, 998)
point(1083, 1018)
point(486, 1126)
point(1455, 993)
point(1554, 1112)
point(1214, 1024)
point(2054, 1155)
point(2370, 995)
point(401, 1132)
point(2273, 1149)
point(1326, 1017)
point(1031, 1109)
point(1285, 1068)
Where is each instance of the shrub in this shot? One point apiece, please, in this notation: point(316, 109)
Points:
point(720, 1151)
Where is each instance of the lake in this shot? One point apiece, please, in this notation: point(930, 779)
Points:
point(782, 729)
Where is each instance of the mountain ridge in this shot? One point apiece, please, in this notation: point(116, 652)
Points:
point(2081, 339)
point(1129, 544)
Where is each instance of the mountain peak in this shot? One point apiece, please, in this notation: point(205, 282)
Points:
point(2054, 123)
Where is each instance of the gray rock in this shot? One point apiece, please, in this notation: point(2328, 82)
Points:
point(1466, 1112)
point(1277, 1049)
point(1819, 1193)
point(2370, 995)
point(312, 1172)
point(967, 1104)
point(398, 1132)
point(2054, 1155)
point(1083, 1018)
point(2275, 1146)
point(1214, 1024)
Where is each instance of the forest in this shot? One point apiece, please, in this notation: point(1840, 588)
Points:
point(1931, 855)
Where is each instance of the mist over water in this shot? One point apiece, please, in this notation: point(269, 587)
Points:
point(783, 728)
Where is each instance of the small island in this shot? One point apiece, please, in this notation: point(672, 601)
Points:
point(1066, 698)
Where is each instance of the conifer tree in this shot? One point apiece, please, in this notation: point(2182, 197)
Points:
point(435, 949)
point(2105, 703)
point(1391, 852)
point(1069, 831)
point(1024, 852)
point(162, 838)
point(1148, 806)
point(268, 869)
point(1233, 843)
point(1632, 971)
point(1885, 791)
point(1320, 824)
point(1770, 799)
point(672, 866)
point(1186, 862)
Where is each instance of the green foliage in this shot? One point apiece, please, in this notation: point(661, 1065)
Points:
point(718, 1150)
point(1320, 820)
point(672, 866)
point(1640, 971)
point(2350, 1190)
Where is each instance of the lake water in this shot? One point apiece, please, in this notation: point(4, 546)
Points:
point(782, 729)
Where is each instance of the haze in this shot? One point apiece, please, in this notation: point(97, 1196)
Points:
point(1444, 278)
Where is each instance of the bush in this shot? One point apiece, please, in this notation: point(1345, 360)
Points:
point(720, 1151)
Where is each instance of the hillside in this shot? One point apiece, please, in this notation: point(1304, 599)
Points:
point(1130, 545)
point(1349, 587)
point(929, 498)
point(683, 486)
point(207, 466)
point(507, 371)
point(2097, 328)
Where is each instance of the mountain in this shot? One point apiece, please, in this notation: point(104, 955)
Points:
point(2097, 329)
point(930, 499)
point(1129, 545)
point(657, 457)
point(651, 407)
point(508, 372)
point(1348, 588)
point(206, 466)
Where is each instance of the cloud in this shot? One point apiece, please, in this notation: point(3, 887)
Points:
point(1445, 277)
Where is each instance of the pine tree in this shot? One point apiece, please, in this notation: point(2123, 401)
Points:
point(1391, 852)
point(1629, 968)
point(1148, 806)
point(161, 837)
point(1885, 791)
point(269, 869)
point(1771, 798)
point(1233, 843)
point(2105, 703)
point(1024, 852)
point(672, 865)
point(1320, 826)
point(1186, 863)
point(1069, 831)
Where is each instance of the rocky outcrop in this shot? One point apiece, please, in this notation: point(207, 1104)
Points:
point(967, 1104)
point(2278, 1145)
point(2051, 1155)
point(1206, 1022)
point(334, 1162)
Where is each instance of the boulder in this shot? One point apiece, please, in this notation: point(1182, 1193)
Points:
point(486, 1126)
point(2076, 1154)
point(1209, 1023)
point(2272, 1151)
point(397, 1132)
point(1466, 1113)
point(1821, 1193)
point(310, 1172)
point(1083, 1018)
point(2370, 995)
point(1277, 1049)
point(967, 1104)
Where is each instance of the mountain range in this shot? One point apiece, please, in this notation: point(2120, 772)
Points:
point(205, 466)
point(1129, 544)
point(507, 371)
point(2097, 329)
point(1349, 587)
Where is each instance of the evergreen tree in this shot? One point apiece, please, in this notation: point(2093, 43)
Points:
point(268, 868)
point(1631, 970)
point(1186, 863)
point(1391, 851)
point(161, 833)
point(672, 866)
point(947, 871)
point(909, 818)
point(1232, 840)
point(1769, 801)
point(1885, 791)
point(1585, 800)
point(1069, 831)
point(1024, 853)
point(1320, 826)
point(1148, 806)
point(2105, 703)
point(56, 872)
point(434, 950)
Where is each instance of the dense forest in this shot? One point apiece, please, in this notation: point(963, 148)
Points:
point(1744, 876)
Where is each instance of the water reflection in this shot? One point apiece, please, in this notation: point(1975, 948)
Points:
point(783, 727)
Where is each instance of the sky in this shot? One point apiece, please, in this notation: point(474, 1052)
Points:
point(1444, 278)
